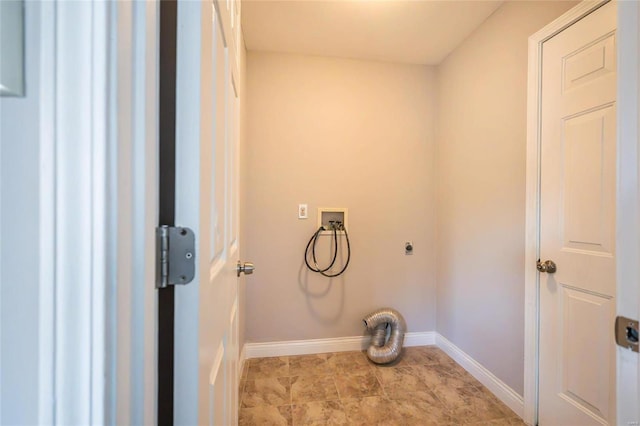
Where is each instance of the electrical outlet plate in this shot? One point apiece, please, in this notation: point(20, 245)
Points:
point(303, 211)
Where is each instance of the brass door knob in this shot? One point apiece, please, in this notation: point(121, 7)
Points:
point(547, 266)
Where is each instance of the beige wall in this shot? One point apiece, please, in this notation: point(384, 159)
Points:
point(481, 188)
point(337, 133)
point(358, 134)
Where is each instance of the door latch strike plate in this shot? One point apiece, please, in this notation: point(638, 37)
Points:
point(627, 333)
point(175, 256)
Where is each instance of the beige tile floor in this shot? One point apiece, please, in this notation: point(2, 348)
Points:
point(423, 387)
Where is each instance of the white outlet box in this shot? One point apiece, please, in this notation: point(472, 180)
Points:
point(327, 214)
point(303, 211)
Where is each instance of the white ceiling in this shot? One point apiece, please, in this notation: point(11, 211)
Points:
point(416, 32)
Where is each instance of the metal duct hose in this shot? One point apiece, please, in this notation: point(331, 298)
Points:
point(379, 351)
point(379, 335)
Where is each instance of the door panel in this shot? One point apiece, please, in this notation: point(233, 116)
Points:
point(206, 200)
point(218, 220)
point(590, 62)
point(578, 178)
point(589, 174)
point(582, 384)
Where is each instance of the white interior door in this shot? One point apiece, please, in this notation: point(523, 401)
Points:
point(578, 186)
point(207, 123)
point(628, 244)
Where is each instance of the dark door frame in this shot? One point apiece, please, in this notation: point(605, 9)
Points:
point(167, 196)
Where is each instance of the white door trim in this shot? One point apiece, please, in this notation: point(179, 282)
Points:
point(74, 240)
point(98, 210)
point(532, 217)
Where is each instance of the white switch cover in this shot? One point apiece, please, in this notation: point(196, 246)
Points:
point(303, 212)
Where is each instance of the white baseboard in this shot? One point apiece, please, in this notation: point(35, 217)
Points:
point(500, 389)
point(425, 338)
point(318, 346)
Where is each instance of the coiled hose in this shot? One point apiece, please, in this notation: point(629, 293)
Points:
point(379, 351)
point(310, 251)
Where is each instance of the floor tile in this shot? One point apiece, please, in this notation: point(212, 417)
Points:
point(463, 375)
point(399, 393)
point(423, 387)
point(400, 378)
point(319, 413)
point(358, 385)
point(511, 421)
point(415, 356)
point(489, 403)
point(470, 405)
point(437, 355)
point(261, 368)
point(437, 375)
point(372, 410)
point(348, 363)
point(421, 413)
point(270, 391)
point(313, 388)
point(265, 416)
point(309, 365)
point(455, 397)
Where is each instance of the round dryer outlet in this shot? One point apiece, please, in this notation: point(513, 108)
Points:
point(408, 248)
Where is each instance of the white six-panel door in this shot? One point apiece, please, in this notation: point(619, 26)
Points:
point(578, 190)
point(206, 327)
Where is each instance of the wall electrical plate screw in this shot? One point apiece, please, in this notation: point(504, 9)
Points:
point(408, 248)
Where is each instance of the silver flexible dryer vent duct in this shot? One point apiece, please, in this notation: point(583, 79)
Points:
point(379, 351)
